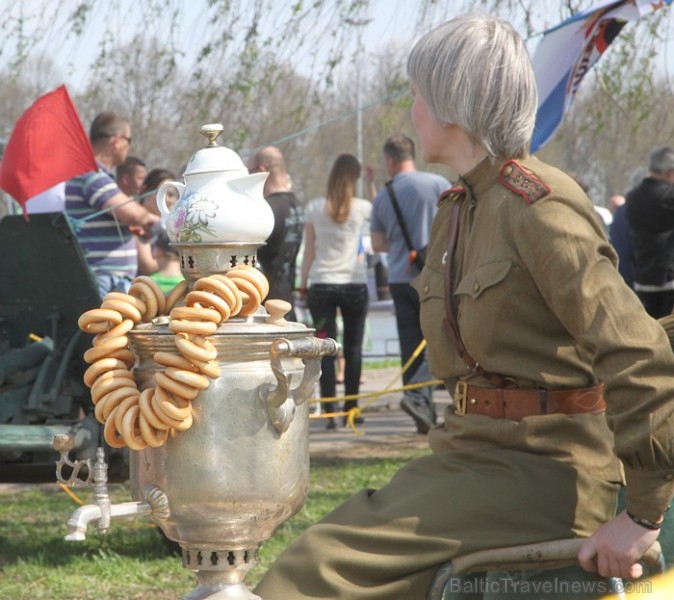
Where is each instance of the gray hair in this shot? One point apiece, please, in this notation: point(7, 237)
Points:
point(661, 160)
point(475, 72)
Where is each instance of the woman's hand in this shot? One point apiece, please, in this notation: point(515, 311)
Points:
point(616, 547)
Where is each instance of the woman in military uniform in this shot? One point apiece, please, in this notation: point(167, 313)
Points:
point(562, 383)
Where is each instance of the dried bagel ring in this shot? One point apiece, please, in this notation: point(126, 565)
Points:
point(111, 435)
point(143, 291)
point(152, 436)
point(126, 309)
point(118, 413)
point(169, 359)
point(178, 424)
point(109, 382)
point(222, 287)
point(193, 327)
point(117, 331)
point(174, 407)
point(98, 320)
point(130, 429)
point(185, 424)
point(255, 274)
point(125, 355)
point(112, 431)
point(195, 349)
point(249, 287)
point(148, 290)
point(251, 275)
point(175, 387)
point(145, 404)
point(217, 291)
point(210, 369)
point(207, 300)
point(106, 348)
point(156, 290)
point(101, 366)
point(189, 378)
point(128, 298)
point(195, 313)
point(176, 295)
point(111, 400)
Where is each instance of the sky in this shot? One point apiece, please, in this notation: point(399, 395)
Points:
point(387, 20)
point(45, 23)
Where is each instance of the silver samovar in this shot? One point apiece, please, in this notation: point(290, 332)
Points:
point(221, 487)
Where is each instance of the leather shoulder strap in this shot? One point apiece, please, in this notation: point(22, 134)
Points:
point(450, 321)
point(399, 215)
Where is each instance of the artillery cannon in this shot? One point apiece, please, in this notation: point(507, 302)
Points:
point(45, 284)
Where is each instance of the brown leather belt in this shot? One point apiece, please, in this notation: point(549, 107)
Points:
point(517, 403)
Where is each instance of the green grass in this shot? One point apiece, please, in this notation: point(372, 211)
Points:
point(381, 363)
point(132, 562)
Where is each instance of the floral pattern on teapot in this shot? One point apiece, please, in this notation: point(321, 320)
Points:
point(191, 218)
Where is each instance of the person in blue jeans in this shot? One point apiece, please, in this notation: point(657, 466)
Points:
point(335, 268)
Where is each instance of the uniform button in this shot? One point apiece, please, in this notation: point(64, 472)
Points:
point(476, 287)
point(426, 288)
point(508, 170)
point(669, 476)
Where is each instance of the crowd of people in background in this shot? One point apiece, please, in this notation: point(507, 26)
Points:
point(121, 233)
point(122, 236)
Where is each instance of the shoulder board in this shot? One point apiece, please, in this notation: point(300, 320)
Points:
point(522, 182)
point(451, 194)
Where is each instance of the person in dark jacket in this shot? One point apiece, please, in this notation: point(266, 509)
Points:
point(278, 257)
point(650, 216)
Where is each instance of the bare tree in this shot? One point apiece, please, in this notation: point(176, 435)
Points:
point(284, 72)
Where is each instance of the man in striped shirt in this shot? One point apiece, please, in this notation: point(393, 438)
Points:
point(108, 218)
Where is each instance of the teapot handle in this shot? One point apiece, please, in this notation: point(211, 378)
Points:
point(161, 197)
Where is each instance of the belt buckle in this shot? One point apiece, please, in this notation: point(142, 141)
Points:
point(460, 398)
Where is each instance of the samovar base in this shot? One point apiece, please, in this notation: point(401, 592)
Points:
point(220, 572)
point(211, 587)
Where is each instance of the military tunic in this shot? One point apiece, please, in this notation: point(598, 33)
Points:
point(540, 301)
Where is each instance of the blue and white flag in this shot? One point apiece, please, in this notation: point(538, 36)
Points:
point(567, 52)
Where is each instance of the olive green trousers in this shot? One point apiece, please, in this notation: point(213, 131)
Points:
point(387, 544)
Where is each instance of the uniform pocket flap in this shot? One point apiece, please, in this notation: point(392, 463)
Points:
point(429, 284)
point(483, 278)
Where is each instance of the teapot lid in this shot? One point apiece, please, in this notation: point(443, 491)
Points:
point(213, 157)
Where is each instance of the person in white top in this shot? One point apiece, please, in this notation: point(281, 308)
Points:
point(334, 266)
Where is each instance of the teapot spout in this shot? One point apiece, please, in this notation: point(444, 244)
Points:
point(251, 186)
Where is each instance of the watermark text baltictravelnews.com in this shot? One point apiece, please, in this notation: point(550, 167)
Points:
point(513, 585)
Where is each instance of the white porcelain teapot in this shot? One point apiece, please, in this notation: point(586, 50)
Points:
point(219, 201)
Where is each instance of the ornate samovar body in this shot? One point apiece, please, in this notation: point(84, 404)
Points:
point(221, 487)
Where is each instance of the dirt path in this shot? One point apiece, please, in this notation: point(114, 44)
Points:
point(387, 430)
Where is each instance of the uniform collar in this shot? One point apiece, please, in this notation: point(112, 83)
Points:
point(480, 178)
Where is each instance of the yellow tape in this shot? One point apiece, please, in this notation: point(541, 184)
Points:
point(358, 411)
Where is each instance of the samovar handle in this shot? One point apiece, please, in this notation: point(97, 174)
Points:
point(281, 401)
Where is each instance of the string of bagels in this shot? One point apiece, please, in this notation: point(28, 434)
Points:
point(140, 419)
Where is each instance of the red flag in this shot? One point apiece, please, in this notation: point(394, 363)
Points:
point(48, 145)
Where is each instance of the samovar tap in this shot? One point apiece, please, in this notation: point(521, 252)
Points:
point(103, 511)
